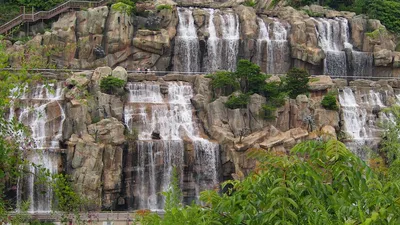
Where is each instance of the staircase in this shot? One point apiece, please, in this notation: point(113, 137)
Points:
point(45, 15)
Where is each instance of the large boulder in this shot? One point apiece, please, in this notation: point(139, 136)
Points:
point(358, 26)
point(248, 21)
point(120, 73)
point(60, 44)
point(383, 57)
point(320, 83)
point(90, 32)
point(86, 166)
point(396, 59)
point(152, 41)
point(119, 31)
point(108, 131)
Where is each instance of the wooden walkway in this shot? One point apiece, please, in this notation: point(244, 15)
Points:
point(45, 15)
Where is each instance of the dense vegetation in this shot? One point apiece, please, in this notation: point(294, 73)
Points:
point(248, 80)
point(12, 145)
point(112, 85)
point(329, 101)
point(317, 183)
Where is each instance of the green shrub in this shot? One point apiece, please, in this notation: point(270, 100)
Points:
point(163, 6)
point(123, 7)
point(111, 85)
point(250, 3)
point(329, 102)
point(251, 78)
point(224, 82)
point(313, 14)
point(398, 47)
point(239, 101)
point(299, 3)
point(297, 82)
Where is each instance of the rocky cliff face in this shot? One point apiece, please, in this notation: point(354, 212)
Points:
point(214, 35)
point(120, 149)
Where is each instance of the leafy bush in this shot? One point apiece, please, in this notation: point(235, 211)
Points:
point(111, 85)
point(297, 82)
point(124, 6)
point(252, 80)
point(250, 3)
point(313, 14)
point(316, 183)
point(223, 82)
point(239, 101)
point(163, 6)
point(329, 102)
point(299, 3)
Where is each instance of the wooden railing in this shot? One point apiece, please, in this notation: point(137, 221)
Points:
point(45, 15)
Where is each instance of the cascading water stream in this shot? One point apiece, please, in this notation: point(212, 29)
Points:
point(213, 59)
point(165, 128)
point(262, 40)
point(332, 38)
point(360, 121)
point(186, 43)
point(40, 110)
point(275, 50)
point(230, 35)
point(222, 50)
point(362, 64)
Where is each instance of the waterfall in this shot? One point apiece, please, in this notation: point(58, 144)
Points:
point(275, 50)
point(213, 59)
point(263, 39)
point(360, 121)
point(186, 43)
point(165, 131)
point(222, 50)
point(362, 64)
point(230, 35)
point(333, 37)
point(39, 109)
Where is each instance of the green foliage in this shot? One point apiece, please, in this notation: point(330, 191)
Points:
point(251, 78)
point(299, 3)
point(376, 33)
point(223, 82)
point(312, 13)
point(388, 12)
point(111, 85)
point(39, 5)
point(317, 183)
point(297, 82)
point(250, 3)
point(12, 162)
point(163, 6)
point(8, 12)
point(237, 101)
point(390, 144)
point(329, 101)
point(125, 6)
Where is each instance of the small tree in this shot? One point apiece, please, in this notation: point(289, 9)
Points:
point(224, 82)
point(111, 85)
point(252, 80)
point(297, 82)
point(329, 101)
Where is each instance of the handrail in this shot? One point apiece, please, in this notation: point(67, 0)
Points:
point(71, 4)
